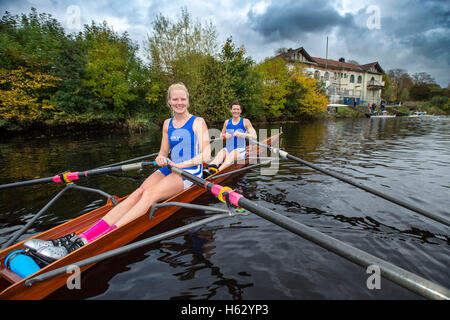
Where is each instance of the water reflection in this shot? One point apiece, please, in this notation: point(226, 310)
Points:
point(251, 258)
point(193, 257)
point(366, 223)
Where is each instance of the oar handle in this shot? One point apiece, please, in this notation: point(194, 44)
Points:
point(156, 165)
point(67, 177)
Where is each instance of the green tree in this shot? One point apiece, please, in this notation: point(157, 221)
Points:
point(420, 92)
point(111, 66)
point(399, 80)
point(38, 42)
point(32, 41)
point(275, 75)
point(387, 93)
point(243, 80)
point(212, 91)
point(181, 51)
point(179, 41)
point(404, 96)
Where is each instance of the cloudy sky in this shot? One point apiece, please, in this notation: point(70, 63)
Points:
point(410, 34)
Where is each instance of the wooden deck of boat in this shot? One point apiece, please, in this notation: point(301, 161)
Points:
point(13, 287)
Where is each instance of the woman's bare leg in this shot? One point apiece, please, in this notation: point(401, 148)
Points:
point(221, 155)
point(165, 188)
point(118, 211)
point(230, 158)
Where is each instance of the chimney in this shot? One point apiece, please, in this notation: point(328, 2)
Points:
point(341, 60)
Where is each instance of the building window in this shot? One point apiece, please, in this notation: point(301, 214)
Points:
point(359, 79)
point(352, 79)
point(373, 79)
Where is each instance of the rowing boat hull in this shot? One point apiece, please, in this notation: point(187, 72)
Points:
point(12, 287)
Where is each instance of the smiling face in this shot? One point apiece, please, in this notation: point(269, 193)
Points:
point(178, 101)
point(236, 111)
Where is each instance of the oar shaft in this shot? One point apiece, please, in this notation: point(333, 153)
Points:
point(129, 160)
point(115, 167)
point(434, 216)
point(72, 176)
point(26, 183)
point(400, 276)
point(396, 274)
point(437, 217)
point(122, 168)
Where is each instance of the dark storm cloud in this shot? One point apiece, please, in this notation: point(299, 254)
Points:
point(286, 20)
point(425, 29)
point(414, 34)
point(419, 27)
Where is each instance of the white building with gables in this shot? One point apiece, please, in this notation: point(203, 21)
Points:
point(344, 81)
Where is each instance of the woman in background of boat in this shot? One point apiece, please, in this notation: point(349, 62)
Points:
point(186, 137)
point(235, 130)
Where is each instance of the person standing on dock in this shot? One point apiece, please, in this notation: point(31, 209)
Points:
point(382, 107)
point(186, 137)
point(235, 130)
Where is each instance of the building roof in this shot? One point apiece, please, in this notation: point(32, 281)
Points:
point(333, 64)
point(376, 65)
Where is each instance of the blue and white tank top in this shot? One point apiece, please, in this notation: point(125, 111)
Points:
point(184, 143)
point(235, 142)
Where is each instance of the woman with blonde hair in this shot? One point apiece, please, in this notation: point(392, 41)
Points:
point(186, 137)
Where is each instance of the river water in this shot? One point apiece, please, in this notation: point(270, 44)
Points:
point(247, 257)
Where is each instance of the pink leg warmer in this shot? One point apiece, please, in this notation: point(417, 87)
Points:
point(96, 230)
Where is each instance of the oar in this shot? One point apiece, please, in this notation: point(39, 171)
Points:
point(283, 154)
point(400, 276)
point(129, 160)
point(71, 176)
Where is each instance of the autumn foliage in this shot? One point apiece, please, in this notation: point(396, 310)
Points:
point(311, 101)
point(22, 94)
point(47, 75)
point(289, 91)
